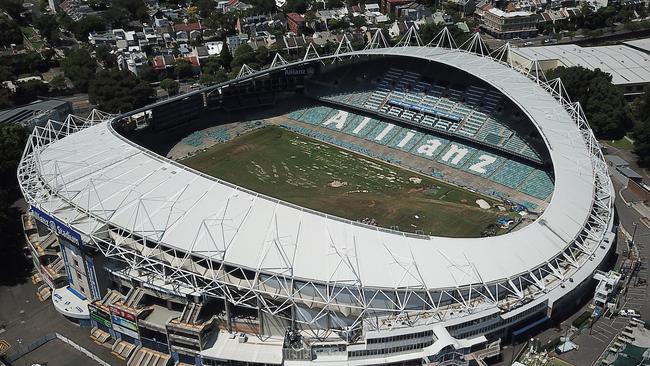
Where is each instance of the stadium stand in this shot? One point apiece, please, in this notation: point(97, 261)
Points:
point(463, 111)
point(498, 168)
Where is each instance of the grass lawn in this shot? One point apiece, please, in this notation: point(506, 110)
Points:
point(313, 174)
point(27, 31)
point(624, 143)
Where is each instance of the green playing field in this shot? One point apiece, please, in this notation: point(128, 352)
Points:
point(323, 177)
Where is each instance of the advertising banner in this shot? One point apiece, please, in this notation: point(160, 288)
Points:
point(100, 316)
point(56, 226)
point(124, 322)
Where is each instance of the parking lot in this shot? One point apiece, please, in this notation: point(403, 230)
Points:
point(24, 319)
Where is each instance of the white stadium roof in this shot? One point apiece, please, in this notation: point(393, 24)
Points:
point(99, 171)
point(640, 44)
point(626, 65)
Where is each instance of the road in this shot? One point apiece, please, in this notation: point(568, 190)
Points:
point(24, 319)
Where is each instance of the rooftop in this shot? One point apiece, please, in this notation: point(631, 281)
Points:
point(626, 64)
point(187, 210)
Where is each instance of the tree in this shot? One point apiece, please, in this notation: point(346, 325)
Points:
point(79, 67)
point(262, 56)
point(333, 4)
point(205, 7)
point(603, 103)
point(58, 83)
point(641, 133)
point(171, 86)
point(14, 266)
point(6, 100)
point(119, 90)
point(10, 33)
point(183, 69)
point(29, 91)
point(295, 6)
point(87, 25)
point(641, 137)
point(244, 54)
point(13, 7)
point(104, 54)
point(211, 65)
point(147, 73)
point(226, 57)
point(48, 27)
point(359, 21)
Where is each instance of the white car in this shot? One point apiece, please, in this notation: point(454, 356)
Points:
point(628, 313)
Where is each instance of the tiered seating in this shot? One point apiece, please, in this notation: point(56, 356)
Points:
point(402, 94)
point(493, 132)
point(315, 115)
point(405, 139)
point(456, 155)
point(499, 169)
point(480, 168)
point(472, 124)
point(383, 133)
point(356, 98)
point(474, 95)
point(538, 184)
point(511, 174)
point(359, 126)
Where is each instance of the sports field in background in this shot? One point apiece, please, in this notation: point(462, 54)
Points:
point(313, 174)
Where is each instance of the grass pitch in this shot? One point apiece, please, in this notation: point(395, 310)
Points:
point(313, 174)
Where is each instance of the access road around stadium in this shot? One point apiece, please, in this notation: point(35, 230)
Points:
point(593, 343)
point(24, 319)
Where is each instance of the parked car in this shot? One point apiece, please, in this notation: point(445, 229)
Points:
point(631, 313)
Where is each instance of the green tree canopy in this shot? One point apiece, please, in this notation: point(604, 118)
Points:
point(6, 98)
point(119, 90)
point(48, 27)
point(183, 69)
point(603, 102)
point(226, 57)
point(10, 32)
point(244, 54)
point(211, 65)
point(171, 86)
point(641, 133)
point(79, 67)
point(29, 91)
point(87, 25)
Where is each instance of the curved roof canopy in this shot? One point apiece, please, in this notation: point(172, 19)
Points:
point(98, 170)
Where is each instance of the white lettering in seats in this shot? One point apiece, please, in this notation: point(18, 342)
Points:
point(429, 147)
point(361, 125)
point(384, 132)
point(338, 119)
point(455, 153)
point(484, 162)
point(409, 135)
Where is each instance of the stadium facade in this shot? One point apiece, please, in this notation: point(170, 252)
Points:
point(173, 265)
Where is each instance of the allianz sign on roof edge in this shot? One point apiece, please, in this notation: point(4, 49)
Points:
point(57, 226)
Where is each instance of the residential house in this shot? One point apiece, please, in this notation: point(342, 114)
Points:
point(295, 22)
point(506, 25)
point(214, 48)
point(233, 42)
point(131, 61)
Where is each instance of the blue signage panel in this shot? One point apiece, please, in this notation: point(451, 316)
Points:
point(57, 226)
point(92, 277)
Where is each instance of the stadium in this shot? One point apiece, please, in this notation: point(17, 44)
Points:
point(415, 204)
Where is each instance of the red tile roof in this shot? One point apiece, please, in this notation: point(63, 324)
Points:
point(187, 27)
point(296, 17)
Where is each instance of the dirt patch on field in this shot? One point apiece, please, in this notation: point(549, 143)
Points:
point(337, 184)
point(244, 148)
point(415, 190)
